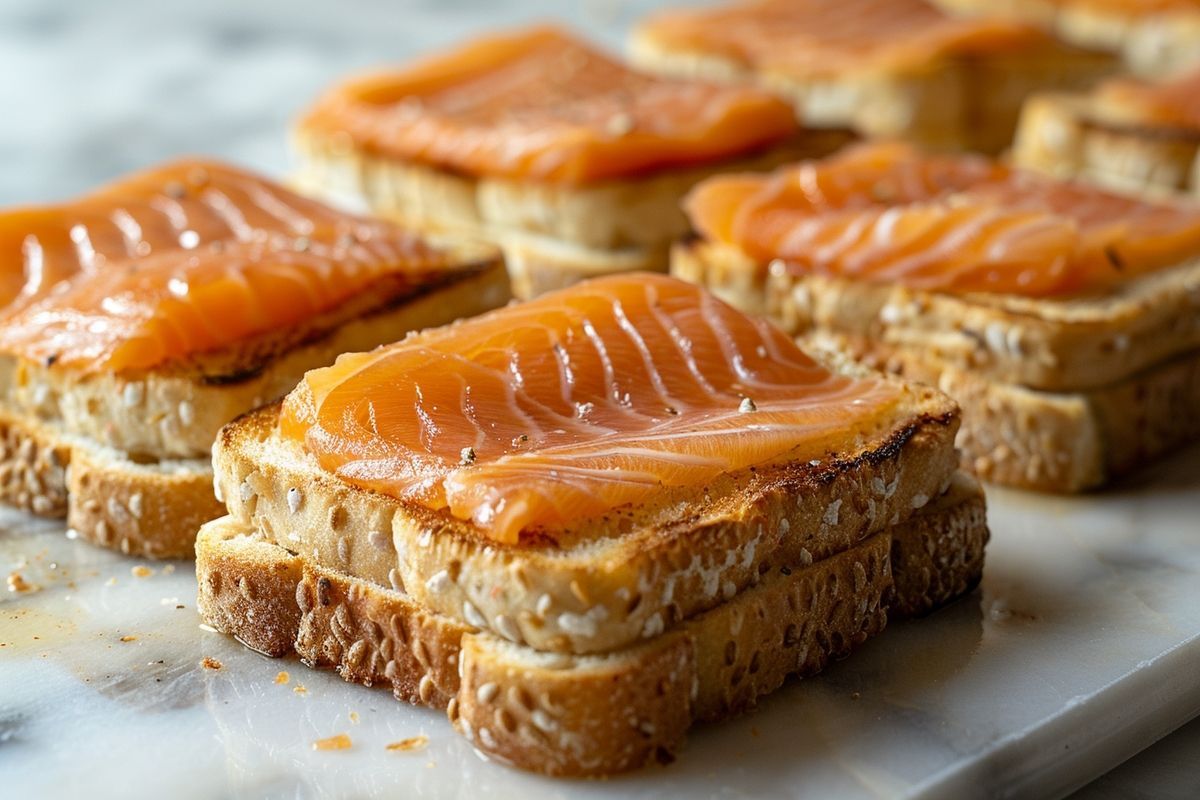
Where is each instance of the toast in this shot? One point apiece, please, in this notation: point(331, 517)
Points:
point(649, 583)
point(883, 69)
point(1130, 135)
point(1061, 392)
point(562, 211)
point(122, 448)
point(1156, 38)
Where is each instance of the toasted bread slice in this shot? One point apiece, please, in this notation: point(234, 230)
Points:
point(80, 445)
point(606, 582)
point(953, 100)
point(1075, 136)
point(1065, 441)
point(579, 715)
point(1152, 38)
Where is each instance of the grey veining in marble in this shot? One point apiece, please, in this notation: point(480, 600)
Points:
point(1081, 647)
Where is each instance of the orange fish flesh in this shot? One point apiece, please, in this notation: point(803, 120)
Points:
point(888, 213)
point(543, 105)
point(581, 401)
point(183, 259)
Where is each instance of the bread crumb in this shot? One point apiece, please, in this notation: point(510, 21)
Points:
point(337, 742)
point(17, 583)
point(128, 638)
point(354, 717)
point(282, 677)
point(211, 663)
point(111, 582)
point(141, 571)
point(409, 744)
point(169, 569)
point(299, 689)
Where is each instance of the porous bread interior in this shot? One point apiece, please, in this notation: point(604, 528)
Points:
point(569, 590)
point(1072, 136)
point(956, 103)
point(175, 410)
point(603, 713)
point(150, 502)
point(1050, 441)
point(1043, 343)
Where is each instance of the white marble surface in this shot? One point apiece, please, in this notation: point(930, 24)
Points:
point(1081, 648)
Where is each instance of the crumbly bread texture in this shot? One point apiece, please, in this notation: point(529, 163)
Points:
point(605, 582)
point(1056, 395)
point(955, 104)
point(552, 234)
point(1055, 345)
point(125, 457)
point(1051, 441)
point(583, 715)
point(1151, 43)
point(1072, 136)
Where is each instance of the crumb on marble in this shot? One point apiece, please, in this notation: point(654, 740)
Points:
point(409, 744)
point(299, 689)
point(211, 663)
point(282, 677)
point(129, 638)
point(18, 584)
point(141, 571)
point(338, 741)
point(354, 717)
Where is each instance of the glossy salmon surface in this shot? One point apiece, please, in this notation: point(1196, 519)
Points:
point(578, 402)
point(889, 213)
point(541, 104)
point(807, 38)
point(181, 259)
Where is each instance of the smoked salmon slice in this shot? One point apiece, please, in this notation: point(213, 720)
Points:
point(586, 399)
point(541, 104)
point(182, 259)
point(810, 38)
point(889, 213)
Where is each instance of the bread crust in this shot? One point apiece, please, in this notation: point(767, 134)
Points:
point(76, 445)
point(960, 103)
point(1051, 441)
point(608, 581)
point(583, 715)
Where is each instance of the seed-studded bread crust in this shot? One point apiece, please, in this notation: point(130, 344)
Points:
point(592, 714)
point(608, 581)
point(1051, 441)
point(552, 234)
point(967, 103)
point(1072, 136)
point(126, 457)
point(1053, 345)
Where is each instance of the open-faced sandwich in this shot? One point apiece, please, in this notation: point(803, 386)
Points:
point(581, 523)
point(1154, 37)
point(571, 161)
point(1130, 134)
point(885, 68)
point(139, 319)
point(1064, 318)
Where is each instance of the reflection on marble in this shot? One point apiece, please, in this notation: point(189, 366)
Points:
point(1078, 650)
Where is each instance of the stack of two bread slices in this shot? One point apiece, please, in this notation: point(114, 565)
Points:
point(590, 645)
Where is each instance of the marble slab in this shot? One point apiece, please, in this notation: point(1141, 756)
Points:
point(1080, 648)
